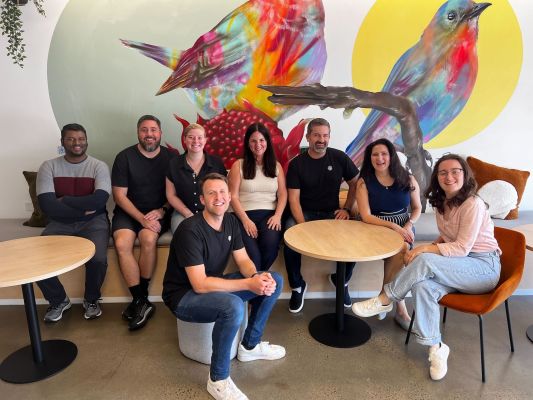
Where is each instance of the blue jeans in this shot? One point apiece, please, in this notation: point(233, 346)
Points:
point(97, 231)
point(430, 277)
point(263, 250)
point(293, 259)
point(226, 310)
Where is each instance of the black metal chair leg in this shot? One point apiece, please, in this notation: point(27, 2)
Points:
point(482, 348)
point(509, 325)
point(410, 328)
point(444, 315)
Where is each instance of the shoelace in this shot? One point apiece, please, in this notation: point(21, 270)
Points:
point(371, 304)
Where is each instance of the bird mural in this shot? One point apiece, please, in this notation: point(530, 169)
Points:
point(273, 42)
point(437, 75)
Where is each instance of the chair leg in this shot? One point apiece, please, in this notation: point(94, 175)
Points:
point(410, 328)
point(444, 315)
point(482, 348)
point(509, 325)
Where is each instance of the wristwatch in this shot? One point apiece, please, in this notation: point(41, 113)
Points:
point(165, 208)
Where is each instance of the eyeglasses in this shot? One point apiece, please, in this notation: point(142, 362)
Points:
point(454, 171)
point(74, 140)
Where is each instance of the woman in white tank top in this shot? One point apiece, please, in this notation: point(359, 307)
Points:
point(259, 196)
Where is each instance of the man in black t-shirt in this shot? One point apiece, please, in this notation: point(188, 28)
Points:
point(313, 183)
point(195, 289)
point(138, 184)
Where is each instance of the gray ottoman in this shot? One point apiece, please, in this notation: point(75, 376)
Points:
point(195, 339)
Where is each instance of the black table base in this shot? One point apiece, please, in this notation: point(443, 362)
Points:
point(41, 359)
point(20, 366)
point(355, 333)
point(529, 333)
point(338, 329)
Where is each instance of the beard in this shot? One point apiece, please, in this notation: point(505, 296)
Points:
point(149, 147)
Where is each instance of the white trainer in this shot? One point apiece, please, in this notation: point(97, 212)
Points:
point(438, 362)
point(224, 389)
point(370, 307)
point(262, 351)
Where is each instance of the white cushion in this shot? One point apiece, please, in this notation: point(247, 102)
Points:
point(501, 197)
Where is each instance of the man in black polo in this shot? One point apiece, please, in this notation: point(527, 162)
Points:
point(195, 289)
point(313, 183)
point(138, 183)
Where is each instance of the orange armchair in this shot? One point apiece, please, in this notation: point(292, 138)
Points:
point(513, 246)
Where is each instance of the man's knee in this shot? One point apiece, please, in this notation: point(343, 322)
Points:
point(148, 239)
point(232, 309)
point(124, 240)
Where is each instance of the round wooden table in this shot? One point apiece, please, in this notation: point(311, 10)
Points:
point(28, 260)
point(527, 230)
point(342, 241)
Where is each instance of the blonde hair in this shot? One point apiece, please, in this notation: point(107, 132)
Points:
point(192, 126)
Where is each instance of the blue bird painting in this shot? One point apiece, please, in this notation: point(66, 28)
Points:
point(437, 75)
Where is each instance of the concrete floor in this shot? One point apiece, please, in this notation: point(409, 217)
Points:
point(114, 363)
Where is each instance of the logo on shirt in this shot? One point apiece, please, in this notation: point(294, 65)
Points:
point(229, 238)
point(330, 168)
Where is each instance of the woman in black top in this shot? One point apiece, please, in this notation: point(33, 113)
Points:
point(185, 173)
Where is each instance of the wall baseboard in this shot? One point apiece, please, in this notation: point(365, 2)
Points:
point(283, 296)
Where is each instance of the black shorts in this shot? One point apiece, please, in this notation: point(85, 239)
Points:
point(122, 220)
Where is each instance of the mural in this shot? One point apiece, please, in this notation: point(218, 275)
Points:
point(276, 42)
point(231, 49)
point(437, 74)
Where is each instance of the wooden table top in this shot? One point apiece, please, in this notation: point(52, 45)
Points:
point(339, 240)
point(527, 230)
point(36, 258)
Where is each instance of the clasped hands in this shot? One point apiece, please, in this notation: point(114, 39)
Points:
point(263, 284)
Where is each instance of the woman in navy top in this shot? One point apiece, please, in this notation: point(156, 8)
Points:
point(385, 192)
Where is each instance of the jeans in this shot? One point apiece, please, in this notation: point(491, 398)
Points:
point(293, 259)
point(97, 231)
point(226, 310)
point(263, 250)
point(430, 277)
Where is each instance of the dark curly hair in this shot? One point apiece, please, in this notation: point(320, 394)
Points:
point(396, 170)
point(269, 158)
point(435, 194)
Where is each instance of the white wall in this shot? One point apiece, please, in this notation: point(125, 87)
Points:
point(30, 133)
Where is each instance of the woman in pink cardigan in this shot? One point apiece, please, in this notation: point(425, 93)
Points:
point(464, 258)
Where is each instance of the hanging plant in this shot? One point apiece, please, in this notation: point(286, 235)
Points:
point(11, 27)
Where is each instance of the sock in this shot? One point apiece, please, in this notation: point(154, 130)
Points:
point(136, 291)
point(247, 347)
point(144, 285)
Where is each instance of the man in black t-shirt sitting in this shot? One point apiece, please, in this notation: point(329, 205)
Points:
point(138, 184)
point(195, 289)
point(313, 183)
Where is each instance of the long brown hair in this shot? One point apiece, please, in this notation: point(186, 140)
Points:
point(269, 158)
point(435, 194)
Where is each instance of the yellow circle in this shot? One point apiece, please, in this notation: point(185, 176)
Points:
point(391, 27)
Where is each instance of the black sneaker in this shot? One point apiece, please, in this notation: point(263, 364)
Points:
point(347, 299)
point(143, 312)
point(296, 302)
point(129, 312)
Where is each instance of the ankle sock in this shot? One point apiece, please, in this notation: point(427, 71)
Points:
point(247, 347)
point(136, 291)
point(144, 285)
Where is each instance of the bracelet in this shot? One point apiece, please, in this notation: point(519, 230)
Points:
point(165, 208)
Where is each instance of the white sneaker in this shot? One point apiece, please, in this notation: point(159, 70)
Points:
point(224, 389)
point(438, 360)
point(262, 351)
point(370, 307)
